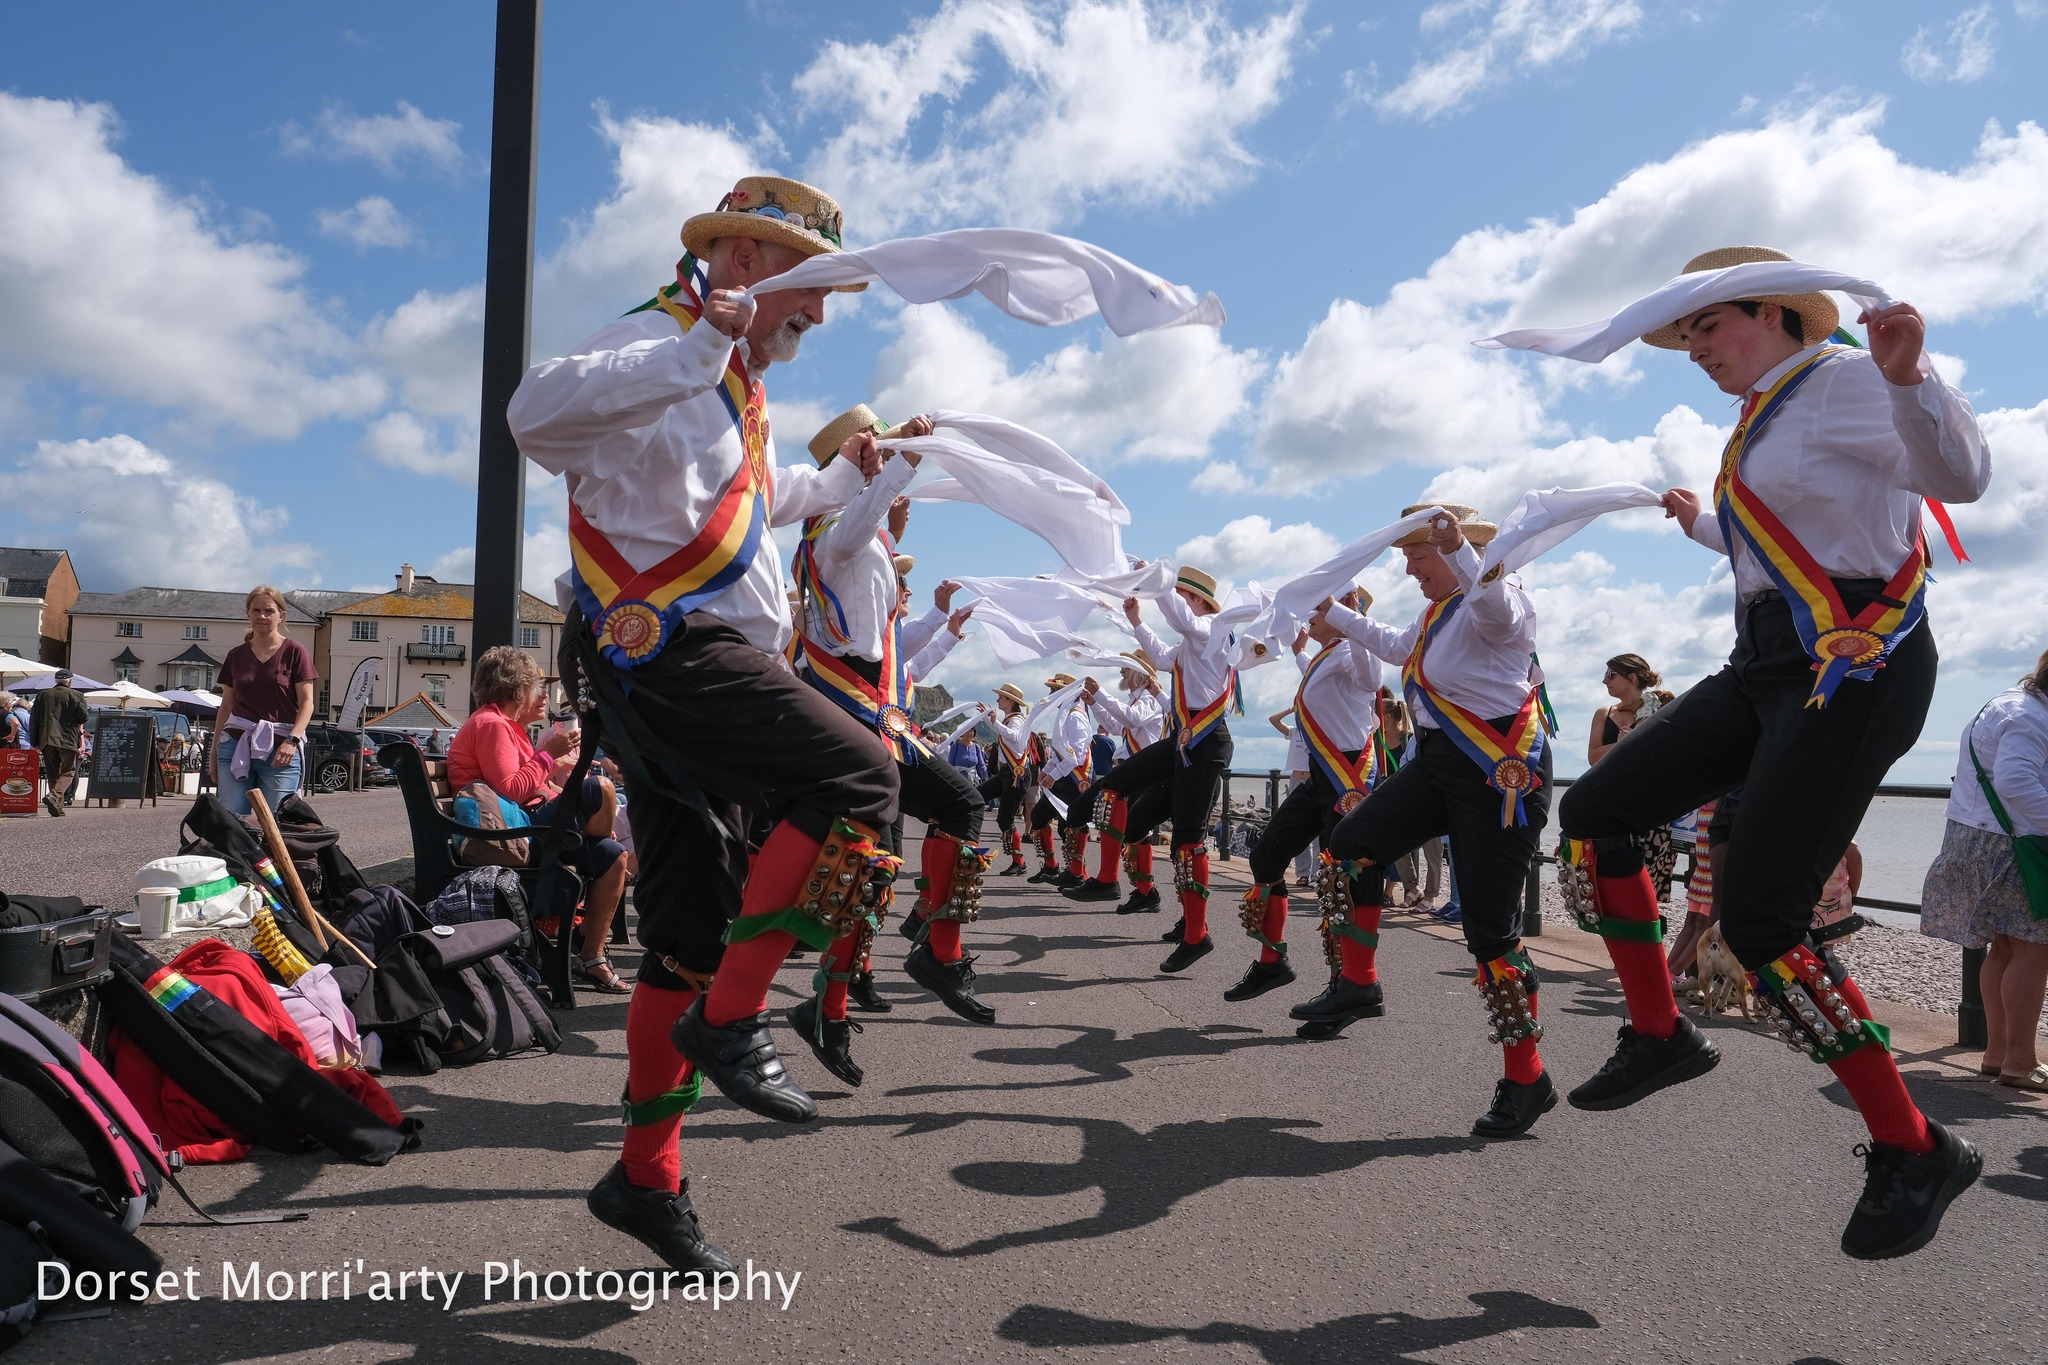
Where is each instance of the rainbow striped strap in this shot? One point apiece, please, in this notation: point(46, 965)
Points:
point(881, 707)
point(1352, 777)
point(634, 612)
point(170, 989)
point(1842, 645)
point(1192, 729)
point(1508, 760)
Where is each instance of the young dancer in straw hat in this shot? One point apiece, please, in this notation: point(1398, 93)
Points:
point(1336, 710)
point(1140, 719)
point(854, 593)
point(1061, 774)
point(1012, 774)
point(676, 620)
point(1819, 504)
point(1481, 774)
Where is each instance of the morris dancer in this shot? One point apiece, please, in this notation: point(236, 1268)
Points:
point(1012, 773)
point(1481, 774)
point(854, 593)
point(1061, 774)
point(1336, 710)
point(1140, 719)
point(1189, 763)
point(660, 423)
point(1819, 503)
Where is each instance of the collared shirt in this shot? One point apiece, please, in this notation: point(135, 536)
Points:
point(1342, 695)
point(635, 420)
point(1206, 679)
point(1067, 745)
point(857, 561)
point(1010, 731)
point(1480, 657)
point(1845, 462)
point(2011, 738)
point(1140, 717)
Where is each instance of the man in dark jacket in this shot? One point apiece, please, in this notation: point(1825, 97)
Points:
point(55, 724)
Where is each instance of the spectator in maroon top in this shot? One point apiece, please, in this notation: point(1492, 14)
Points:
point(266, 702)
point(492, 747)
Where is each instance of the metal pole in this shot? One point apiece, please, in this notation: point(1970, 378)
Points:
point(1970, 1027)
point(508, 297)
point(1223, 825)
point(1272, 792)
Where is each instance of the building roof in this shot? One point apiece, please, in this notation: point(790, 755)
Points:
point(188, 603)
point(445, 602)
point(324, 601)
point(417, 714)
point(126, 656)
point(195, 655)
point(19, 563)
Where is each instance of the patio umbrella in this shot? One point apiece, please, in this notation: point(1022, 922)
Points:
point(48, 680)
point(195, 702)
point(125, 694)
point(13, 665)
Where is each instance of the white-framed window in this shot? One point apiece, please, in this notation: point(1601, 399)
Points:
point(131, 630)
point(437, 685)
point(363, 630)
point(195, 676)
point(437, 635)
point(193, 632)
point(529, 637)
point(128, 672)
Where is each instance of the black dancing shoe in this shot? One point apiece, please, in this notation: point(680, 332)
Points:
point(1144, 902)
point(1047, 874)
point(1068, 881)
point(739, 1058)
point(1188, 954)
point(861, 991)
point(1516, 1107)
point(1905, 1193)
point(1259, 978)
point(1342, 1001)
point(1091, 890)
point(1013, 870)
point(909, 925)
point(836, 1051)
point(1642, 1065)
point(1176, 933)
point(952, 982)
point(659, 1220)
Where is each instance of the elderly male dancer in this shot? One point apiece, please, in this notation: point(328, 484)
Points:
point(676, 611)
point(847, 571)
point(1336, 707)
point(1061, 774)
point(1139, 719)
point(1481, 774)
point(1818, 502)
point(1189, 762)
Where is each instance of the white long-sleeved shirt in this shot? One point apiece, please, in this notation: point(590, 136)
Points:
point(1012, 735)
point(1479, 659)
point(1140, 717)
point(635, 421)
point(931, 656)
point(1206, 678)
point(857, 562)
point(913, 636)
point(1067, 746)
point(2011, 737)
point(1845, 462)
point(1342, 695)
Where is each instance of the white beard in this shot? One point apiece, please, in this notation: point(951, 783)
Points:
point(781, 345)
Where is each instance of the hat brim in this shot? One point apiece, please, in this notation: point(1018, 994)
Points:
point(1818, 319)
point(1479, 533)
point(702, 229)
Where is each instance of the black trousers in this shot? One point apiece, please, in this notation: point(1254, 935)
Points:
point(1156, 785)
point(1807, 774)
point(715, 709)
point(939, 794)
point(1006, 789)
point(1067, 789)
point(1309, 813)
point(1441, 791)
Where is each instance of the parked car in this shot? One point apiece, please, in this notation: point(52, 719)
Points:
point(328, 752)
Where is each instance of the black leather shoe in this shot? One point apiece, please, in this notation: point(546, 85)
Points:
point(836, 1051)
point(1188, 954)
point(1091, 890)
point(1343, 1000)
point(1516, 1107)
point(1068, 881)
point(1140, 903)
point(661, 1221)
point(1905, 1194)
point(1045, 874)
point(1642, 1065)
point(1259, 978)
point(1013, 870)
point(952, 982)
point(910, 924)
point(739, 1058)
point(861, 991)
point(1174, 935)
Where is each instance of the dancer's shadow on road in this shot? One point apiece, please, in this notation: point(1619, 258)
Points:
point(2030, 1181)
point(1362, 1336)
point(1102, 1056)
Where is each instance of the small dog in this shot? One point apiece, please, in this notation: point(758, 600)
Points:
point(1723, 985)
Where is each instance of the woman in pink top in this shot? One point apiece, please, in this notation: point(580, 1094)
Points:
point(492, 747)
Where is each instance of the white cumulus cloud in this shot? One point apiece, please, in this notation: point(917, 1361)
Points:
point(393, 143)
point(1964, 53)
point(370, 222)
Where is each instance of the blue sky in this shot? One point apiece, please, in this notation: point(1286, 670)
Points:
point(243, 242)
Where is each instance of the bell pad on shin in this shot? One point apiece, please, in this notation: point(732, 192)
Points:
point(1575, 877)
point(963, 903)
point(1186, 876)
point(1508, 985)
point(852, 883)
point(1808, 1013)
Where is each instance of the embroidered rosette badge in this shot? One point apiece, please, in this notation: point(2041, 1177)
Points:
point(895, 721)
point(632, 628)
point(1849, 645)
point(1350, 801)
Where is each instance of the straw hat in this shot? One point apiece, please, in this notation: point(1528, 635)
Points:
point(1364, 597)
point(1059, 680)
point(1142, 660)
point(1477, 530)
point(904, 564)
point(1818, 316)
point(768, 208)
point(1010, 692)
point(856, 419)
point(1200, 584)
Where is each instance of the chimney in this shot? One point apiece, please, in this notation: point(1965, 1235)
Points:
point(405, 578)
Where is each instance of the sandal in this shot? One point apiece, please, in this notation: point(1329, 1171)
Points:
point(597, 973)
point(2037, 1079)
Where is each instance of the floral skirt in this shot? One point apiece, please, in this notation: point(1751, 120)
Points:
point(1974, 891)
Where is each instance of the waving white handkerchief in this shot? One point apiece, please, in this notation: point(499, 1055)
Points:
point(1294, 602)
point(1546, 518)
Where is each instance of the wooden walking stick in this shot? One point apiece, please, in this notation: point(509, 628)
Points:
point(281, 856)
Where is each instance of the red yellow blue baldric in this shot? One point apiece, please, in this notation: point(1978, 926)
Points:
point(1351, 777)
point(885, 706)
point(633, 612)
point(1192, 727)
point(1509, 760)
point(1841, 644)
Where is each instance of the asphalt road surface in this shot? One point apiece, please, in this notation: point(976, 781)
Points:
point(1128, 1168)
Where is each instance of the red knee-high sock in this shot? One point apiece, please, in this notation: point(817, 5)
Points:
point(1361, 963)
point(1141, 866)
point(654, 1067)
point(740, 989)
point(1014, 842)
point(945, 940)
point(1872, 1079)
point(1107, 865)
point(1045, 848)
point(1853, 993)
point(1523, 1065)
point(940, 866)
point(839, 962)
point(1078, 864)
point(1274, 926)
point(1194, 901)
point(1645, 979)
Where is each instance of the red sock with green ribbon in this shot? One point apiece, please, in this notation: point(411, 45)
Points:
point(1633, 933)
point(740, 989)
point(1111, 835)
point(838, 967)
point(1141, 866)
point(940, 865)
point(1194, 900)
point(1361, 957)
point(1045, 848)
point(1273, 928)
point(1077, 866)
point(1522, 1063)
point(657, 1089)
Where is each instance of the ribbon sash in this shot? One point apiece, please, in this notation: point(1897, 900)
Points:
point(1193, 728)
point(1351, 776)
point(882, 707)
point(1841, 644)
point(633, 612)
point(1508, 760)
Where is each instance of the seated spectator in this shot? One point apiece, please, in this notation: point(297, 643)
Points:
point(492, 747)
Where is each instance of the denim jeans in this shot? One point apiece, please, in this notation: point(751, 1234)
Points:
point(274, 783)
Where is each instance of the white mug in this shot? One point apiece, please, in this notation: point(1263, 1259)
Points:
point(155, 907)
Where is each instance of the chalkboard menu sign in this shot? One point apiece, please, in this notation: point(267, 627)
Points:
point(123, 748)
